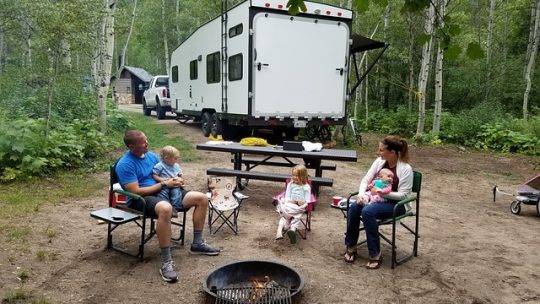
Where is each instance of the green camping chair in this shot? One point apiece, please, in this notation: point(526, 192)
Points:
point(409, 212)
point(118, 214)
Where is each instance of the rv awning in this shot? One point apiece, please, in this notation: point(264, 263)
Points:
point(361, 44)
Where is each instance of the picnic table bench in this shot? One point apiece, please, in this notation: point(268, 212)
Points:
point(312, 160)
point(266, 176)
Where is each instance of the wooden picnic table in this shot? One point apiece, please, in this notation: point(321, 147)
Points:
point(312, 160)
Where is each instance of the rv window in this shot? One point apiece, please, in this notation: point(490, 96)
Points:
point(235, 30)
point(235, 67)
point(213, 68)
point(174, 74)
point(193, 67)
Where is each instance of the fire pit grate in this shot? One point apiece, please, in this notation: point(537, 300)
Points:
point(254, 295)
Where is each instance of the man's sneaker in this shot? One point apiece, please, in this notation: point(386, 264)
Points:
point(291, 233)
point(204, 248)
point(167, 272)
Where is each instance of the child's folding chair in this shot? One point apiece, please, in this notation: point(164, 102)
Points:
point(306, 219)
point(223, 203)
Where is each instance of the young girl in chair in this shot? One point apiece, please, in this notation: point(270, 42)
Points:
point(293, 205)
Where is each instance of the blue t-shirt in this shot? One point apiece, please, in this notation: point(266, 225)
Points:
point(131, 168)
point(161, 169)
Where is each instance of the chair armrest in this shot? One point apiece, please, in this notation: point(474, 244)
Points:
point(240, 196)
point(129, 194)
point(349, 199)
point(402, 202)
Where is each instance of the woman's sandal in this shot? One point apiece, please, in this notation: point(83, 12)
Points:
point(374, 263)
point(350, 255)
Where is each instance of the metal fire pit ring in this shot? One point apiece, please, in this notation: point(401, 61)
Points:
point(240, 275)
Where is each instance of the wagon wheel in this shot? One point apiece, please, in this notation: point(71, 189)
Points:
point(324, 134)
point(515, 207)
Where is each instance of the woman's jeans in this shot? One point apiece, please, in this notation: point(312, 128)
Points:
point(370, 213)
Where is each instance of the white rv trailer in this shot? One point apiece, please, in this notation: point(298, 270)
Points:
point(280, 71)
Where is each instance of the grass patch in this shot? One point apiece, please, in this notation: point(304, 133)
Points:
point(40, 255)
point(163, 135)
point(20, 295)
point(15, 296)
point(26, 197)
point(50, 233)
point(23, 275)
point(18, 235)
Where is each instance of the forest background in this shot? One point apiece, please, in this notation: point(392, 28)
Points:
point(462, 72)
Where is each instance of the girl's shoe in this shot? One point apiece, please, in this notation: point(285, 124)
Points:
point(291, 233)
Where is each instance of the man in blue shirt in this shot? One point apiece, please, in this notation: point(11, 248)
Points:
point(134, 170)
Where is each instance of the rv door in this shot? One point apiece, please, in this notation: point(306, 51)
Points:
point(300, 66)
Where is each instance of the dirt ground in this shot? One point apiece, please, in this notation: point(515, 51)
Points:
point(471, 250)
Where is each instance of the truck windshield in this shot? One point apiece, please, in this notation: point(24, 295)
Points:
point(162, 82)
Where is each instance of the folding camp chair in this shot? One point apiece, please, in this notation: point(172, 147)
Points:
point(118, 214)
point(306, 219)
point(224, 203)
point(409, 212)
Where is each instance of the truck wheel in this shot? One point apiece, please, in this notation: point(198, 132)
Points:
point(160, 111)
point(146, 110)
point(205, 123)
point(216, 127)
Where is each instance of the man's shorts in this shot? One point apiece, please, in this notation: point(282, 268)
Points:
point(151, 202)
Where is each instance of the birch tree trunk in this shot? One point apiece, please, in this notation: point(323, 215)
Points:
point(177, 22)
point(385, 90)
point(439, 75)
point(53, 67)
point(366, 100)
point(124, 50)
point(425, 66)
point(28, 41)
point(65, 53)
point(164, 33)
point(106, 63)
point(411, 61)
point(529, 71)
point(531, 36)
point(489, 46)
point(1, 50)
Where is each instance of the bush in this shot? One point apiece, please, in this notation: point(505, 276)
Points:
point(26, 150)
point(400, 121)
point(511, 136)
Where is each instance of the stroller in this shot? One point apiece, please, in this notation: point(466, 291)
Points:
point(527, 193)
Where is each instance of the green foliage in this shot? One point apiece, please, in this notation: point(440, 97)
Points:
point(509, 137)
point(474, 51)
point(29, 148)
point(399, 121)
point(295, 6)
point(485, 126)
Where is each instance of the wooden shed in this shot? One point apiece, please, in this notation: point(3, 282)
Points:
point(130, 85)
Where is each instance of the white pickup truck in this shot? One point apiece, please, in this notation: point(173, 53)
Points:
point(157, 97)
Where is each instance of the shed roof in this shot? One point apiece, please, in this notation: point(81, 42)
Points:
point(140, 73)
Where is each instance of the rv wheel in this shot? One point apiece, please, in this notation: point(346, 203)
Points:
point(205, 123)
point(216, 127)
point(515, 207)
point(146, 110)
